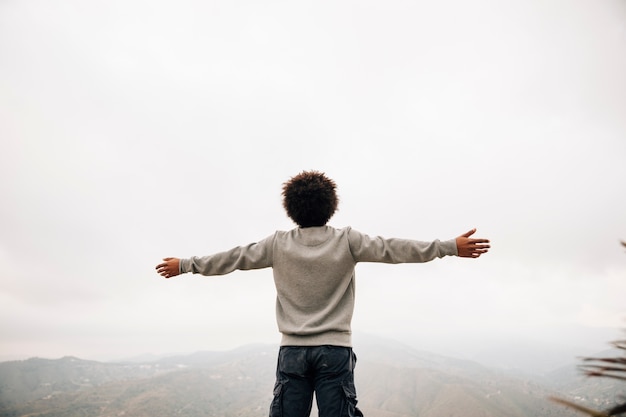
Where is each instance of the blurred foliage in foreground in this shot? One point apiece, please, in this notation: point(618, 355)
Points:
point(606, 368)
point(614, 368)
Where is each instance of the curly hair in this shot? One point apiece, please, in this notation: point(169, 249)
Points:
point(310, 198)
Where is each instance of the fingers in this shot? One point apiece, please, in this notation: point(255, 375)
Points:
point(479, 252)
point(468, 234)
point(163, 271)
point(478, 247)
point(484, 244)
point(471, 232)
point(166, 274)
point(164, 264)
point(167, 269)
point(472, 241)
point(473, 254)
point(471, 248)
point(162, 267)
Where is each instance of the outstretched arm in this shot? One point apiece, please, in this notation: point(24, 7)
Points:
point(170, 267)
point(471, 248)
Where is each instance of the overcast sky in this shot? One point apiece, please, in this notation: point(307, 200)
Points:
point(133, 130)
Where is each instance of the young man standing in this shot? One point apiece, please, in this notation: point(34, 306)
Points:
point(313, 267)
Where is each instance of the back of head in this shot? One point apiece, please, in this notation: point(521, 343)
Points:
point(310, 198)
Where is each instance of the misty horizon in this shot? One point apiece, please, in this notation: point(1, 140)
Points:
point(132, 133)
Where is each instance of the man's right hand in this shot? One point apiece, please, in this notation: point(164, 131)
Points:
point(471, 248)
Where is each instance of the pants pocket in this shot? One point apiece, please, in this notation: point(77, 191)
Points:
point(276, 408)
point(350, 409)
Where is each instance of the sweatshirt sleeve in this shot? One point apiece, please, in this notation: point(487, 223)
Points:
point(378, 249)
point(253, 256)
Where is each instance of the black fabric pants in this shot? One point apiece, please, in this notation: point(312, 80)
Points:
point(326, 370)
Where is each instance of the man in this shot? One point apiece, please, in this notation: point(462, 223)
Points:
point(313, 266)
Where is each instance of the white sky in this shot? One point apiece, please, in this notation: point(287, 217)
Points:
point(133, 130)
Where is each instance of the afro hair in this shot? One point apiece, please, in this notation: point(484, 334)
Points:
point(310, 198)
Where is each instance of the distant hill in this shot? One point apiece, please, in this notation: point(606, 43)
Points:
point(393, 380)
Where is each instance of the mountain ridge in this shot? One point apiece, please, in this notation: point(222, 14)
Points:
point(393, 380)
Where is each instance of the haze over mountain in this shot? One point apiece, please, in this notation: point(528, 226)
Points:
point(393, 380)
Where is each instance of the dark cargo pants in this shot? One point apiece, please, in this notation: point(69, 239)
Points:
point(326, 370)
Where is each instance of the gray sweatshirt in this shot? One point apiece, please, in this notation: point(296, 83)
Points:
point(314, 275)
